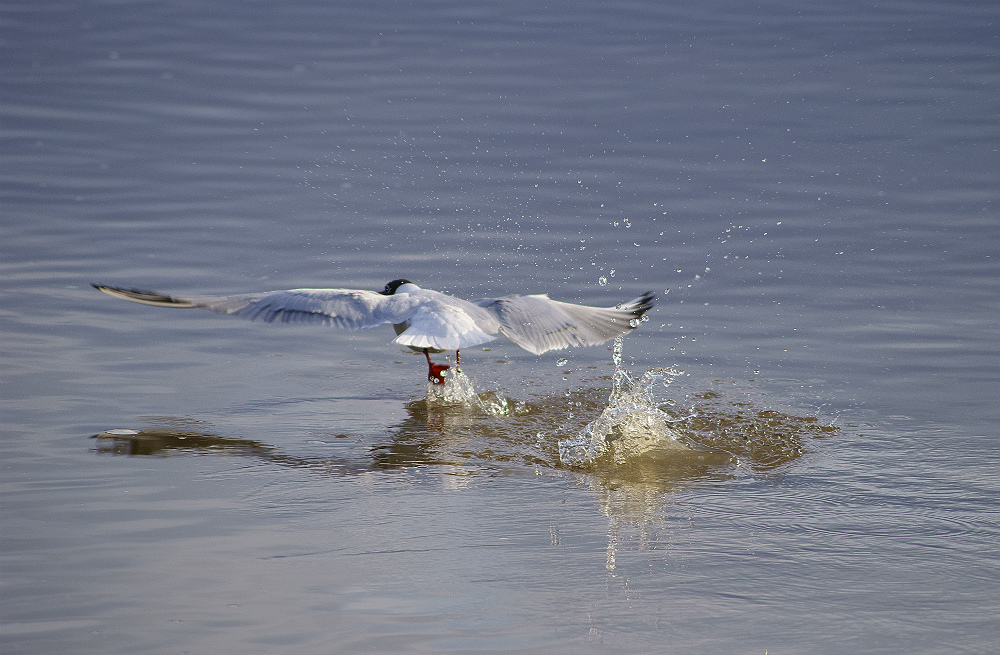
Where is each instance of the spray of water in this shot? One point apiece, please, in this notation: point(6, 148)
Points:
point(457, 391)
point(636, 435)
point(457, 394)
point(630, 425)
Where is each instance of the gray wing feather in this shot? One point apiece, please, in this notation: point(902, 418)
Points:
point(539, 324)
point(344, 308)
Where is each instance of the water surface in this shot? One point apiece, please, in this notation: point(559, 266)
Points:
point(812, 190)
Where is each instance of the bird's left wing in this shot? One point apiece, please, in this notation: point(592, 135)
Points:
point(349, 309)
point(539, 324)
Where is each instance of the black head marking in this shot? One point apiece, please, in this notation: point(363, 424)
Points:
point(393, 286)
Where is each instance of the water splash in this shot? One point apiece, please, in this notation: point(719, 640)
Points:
point(631, 425)
point(459, 395)
point(458, 390)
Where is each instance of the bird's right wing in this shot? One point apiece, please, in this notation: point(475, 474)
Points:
point(349, 309)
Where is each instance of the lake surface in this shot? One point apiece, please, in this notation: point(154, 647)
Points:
point(811, 189)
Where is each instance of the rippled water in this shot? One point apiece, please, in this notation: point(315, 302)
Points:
point(797, 452)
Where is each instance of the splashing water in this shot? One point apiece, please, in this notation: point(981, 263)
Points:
point(458, 394)
point(635, 438)
point(630, 425)
point(457, 391)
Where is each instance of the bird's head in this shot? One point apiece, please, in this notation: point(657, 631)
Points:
point(393, 286)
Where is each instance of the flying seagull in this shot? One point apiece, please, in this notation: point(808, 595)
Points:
point(426, 321)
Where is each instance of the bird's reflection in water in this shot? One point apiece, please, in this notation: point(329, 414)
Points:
point(495, 435)
point(171, 436)
point(166, 441)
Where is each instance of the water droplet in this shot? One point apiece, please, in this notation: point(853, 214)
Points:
point(602, 280)
point(562, 361)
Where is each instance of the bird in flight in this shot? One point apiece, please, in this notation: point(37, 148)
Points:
point(426, 321)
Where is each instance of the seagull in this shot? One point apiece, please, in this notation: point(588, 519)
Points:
point(425, 321)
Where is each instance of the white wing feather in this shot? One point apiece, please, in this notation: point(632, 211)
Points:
point(539, 324)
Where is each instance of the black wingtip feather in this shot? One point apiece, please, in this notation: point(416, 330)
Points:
point(639, 306)
point(143, 296)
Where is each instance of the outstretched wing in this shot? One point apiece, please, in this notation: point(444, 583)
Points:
point(344, 308)
point(539, 324)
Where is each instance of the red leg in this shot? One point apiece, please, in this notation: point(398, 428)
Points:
point(435, 370)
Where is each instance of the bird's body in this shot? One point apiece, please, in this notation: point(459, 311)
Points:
point(425, 320)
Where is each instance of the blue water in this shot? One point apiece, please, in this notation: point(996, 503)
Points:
point(811, 189)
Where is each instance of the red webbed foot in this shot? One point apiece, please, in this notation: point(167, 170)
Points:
point(435, 373)
point(435, 370)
